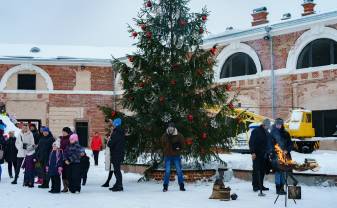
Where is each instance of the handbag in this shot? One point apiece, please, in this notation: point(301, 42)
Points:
point(2, 153)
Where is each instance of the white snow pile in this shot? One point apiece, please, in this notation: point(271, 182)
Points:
point(10, 126)
point(325, 158)
point(150, 195)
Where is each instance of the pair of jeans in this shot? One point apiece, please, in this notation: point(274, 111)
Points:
point(177, 162)
point(0, 171)
point(279, 178)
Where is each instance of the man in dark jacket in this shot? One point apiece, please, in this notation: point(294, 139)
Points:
point(42, 153)
point(259, 147)
point(117, 145)
point(281, 137)
point(172, 142)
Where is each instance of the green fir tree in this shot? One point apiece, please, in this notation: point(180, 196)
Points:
point(170, 79)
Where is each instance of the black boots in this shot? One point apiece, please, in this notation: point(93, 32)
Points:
point(165, 188)
point(182, 187)
point(280, 190)
point(116, 189)
point(106, 184)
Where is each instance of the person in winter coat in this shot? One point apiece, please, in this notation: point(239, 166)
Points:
point(72, 158)
point(2, 152)
point(42, 153)
point(117, 145)
point(258, 146)
point(25, 139)
point(11, 153)
point(35, 132)
point(108, 166)
point(96, 145)
point(54, 167)
point(85, 165)
point(281, 137)
point(2, 145)
point(66, 132)
point(173, 143)
point(29, 166)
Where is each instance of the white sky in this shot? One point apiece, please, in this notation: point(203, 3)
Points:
point(103, 22)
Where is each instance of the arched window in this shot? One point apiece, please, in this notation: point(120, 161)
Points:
point(319, 52)
point(238, 64)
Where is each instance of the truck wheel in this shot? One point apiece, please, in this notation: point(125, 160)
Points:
point(306, 149)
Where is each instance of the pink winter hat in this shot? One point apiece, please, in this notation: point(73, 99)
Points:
point(73, 138)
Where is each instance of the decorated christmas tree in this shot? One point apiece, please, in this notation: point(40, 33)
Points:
point(170, 79)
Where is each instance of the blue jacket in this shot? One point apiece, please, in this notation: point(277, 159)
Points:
point(55, 161)
point(73, 153)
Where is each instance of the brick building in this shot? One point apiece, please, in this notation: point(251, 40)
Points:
point(58, 86)
point(302, 54)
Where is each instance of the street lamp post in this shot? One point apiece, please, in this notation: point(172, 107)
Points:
point(270, 39)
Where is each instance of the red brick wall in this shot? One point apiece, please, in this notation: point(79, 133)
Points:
point(64, 77)
point(101, 78)
point(281, 47)
point(90, 104)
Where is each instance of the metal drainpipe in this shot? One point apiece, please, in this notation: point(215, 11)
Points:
point(270, 38)
point(114, 90)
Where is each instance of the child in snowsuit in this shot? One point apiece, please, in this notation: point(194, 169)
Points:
point(72, 158)
point(54, 167)
point(85, 164)
point(29, 167)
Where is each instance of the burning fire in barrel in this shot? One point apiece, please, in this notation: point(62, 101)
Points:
point(285, 163)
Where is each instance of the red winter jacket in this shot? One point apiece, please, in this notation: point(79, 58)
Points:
point(96, 143)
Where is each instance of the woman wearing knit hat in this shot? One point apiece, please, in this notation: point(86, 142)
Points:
point(116, 145)
point(54, 167)
point(72, 158)
point(64, 143)
point(42, 153)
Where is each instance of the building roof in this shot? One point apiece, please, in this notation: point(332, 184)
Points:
point(61, 53)
point(260, 29)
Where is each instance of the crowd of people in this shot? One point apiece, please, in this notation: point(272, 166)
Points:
point(47, 160)
point(261, 144)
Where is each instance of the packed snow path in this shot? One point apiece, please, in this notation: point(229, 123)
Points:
point(149, 195)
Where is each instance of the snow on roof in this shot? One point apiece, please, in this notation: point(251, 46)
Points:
point(25, 51)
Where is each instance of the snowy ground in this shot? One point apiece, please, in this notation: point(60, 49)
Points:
point(325, 158)
point(149, 195)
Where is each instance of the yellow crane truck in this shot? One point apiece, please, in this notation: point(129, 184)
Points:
point(299, 126)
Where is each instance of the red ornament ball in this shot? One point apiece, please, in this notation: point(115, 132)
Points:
point(149, 35)
point(130, 58)
point(149, 4)
point(189, 141)
point(190, 117)
point(204, 135)
point(143, 27)
point(201, 30)
point(141, 84)
point(173, 82)
point(134, 34)
point(230, 106)
point(113, 113)
point(204, 17)
point(200, 72)
point(182, 22)
point(161, 99)
point(213, 50)
point(228, 87)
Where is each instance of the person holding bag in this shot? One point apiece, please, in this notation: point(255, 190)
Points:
point(24, 140)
